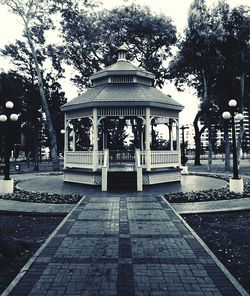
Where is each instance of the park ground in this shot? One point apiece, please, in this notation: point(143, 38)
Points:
point(226, 234)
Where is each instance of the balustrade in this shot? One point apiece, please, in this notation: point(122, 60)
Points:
point(164, 158)
point(116, 156)
point(84, 159)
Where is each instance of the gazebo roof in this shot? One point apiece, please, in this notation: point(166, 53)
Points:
point(122, 67)
point(122, 95)
point(122, 84)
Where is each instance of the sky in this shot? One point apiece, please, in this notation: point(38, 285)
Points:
point(11, 29)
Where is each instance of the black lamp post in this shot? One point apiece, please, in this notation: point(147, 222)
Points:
point(183, 156)
point(5, 118)
point(231, 114)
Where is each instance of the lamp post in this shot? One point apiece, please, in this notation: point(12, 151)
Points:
point(7, 185)
point(183, 156)
point(235, 183)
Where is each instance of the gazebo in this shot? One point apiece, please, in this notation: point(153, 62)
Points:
point(121, 92)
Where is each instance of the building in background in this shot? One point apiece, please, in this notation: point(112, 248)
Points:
point(189, 135)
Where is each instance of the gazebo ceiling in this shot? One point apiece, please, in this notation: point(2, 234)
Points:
point(122, 95)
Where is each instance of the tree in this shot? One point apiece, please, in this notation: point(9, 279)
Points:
point(91, 39)
point(82, 131)
point(239, 36)
point(116, 133)
point(12, 87)
point(34, 16)
point(195, 63)
point(205, 62)
point(231, 72)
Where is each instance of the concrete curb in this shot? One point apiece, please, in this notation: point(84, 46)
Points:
point(24, 207)
point(212, 206)
point(34, 208)
point(231, 278)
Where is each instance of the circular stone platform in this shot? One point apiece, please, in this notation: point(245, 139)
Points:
point(55, 184)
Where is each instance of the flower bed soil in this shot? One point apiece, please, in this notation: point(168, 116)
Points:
point(41, 197)
point(228, 236)
point(26, 232)
point(208, 195)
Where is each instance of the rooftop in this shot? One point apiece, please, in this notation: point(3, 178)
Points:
point(122, 95)
point(122, 84)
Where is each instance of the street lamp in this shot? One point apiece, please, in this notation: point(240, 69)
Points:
point(235, 183)
point(7, 185)
point(183, 156)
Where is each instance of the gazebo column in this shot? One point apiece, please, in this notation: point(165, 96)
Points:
point(142, 141)
point(105, 136)
point(147, 140)
point(95, 139)
point(66, 140)
point(73, 139)
point(170, 129)
point(66, 135)
point(178, 140)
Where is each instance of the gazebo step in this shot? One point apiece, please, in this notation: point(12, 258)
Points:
point(122, 180)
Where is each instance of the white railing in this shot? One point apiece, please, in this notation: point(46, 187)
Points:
point(82, 159)
point(161, 159)
point(120, 156)
point(164, 158)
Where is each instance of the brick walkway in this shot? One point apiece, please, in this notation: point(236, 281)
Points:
point(123, 246)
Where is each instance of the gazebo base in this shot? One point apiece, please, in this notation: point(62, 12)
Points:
point(119, 179)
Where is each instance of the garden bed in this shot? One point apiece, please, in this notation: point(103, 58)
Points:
point(209, 195)
point(41, 197)
point(228, 236)
point(27, 234)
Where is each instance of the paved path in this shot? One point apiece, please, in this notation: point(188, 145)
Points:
point(125, 246)
point(55, 184)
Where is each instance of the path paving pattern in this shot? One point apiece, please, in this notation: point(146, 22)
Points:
point(122, 245)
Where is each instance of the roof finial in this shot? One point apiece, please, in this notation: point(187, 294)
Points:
point(122, 52)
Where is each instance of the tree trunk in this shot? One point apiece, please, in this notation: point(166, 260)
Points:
point(210, 150)
point(51, 131)
point(36, 152)
point(248, 110)
point(205, 91)
point(197, 138)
